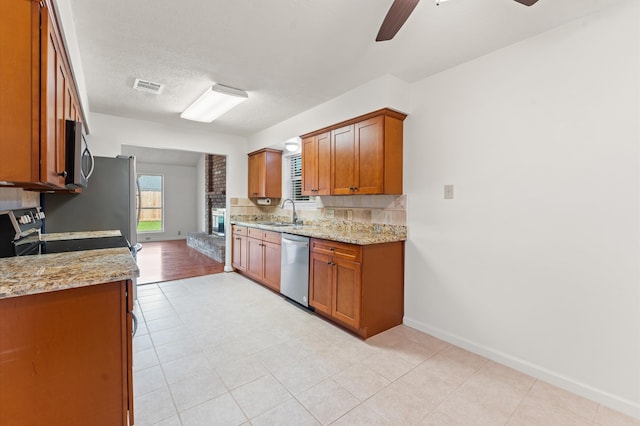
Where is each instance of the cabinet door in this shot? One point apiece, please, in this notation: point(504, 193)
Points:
point(323, 185)
point(369, 166)
point(257, 172)
point(309, 166)
point(63, 357)
point(316, 165)
point(255, 259)
point(271, 276)
point(347, 295)
point(54, 85)
point(19, 88)
point(320, 282)
point(239, 254)
point(128, 336)
point(343, 155)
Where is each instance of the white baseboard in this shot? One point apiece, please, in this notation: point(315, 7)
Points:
point(614, 402)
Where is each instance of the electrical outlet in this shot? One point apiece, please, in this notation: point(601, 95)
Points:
point(329, 213)
point(448, 192)
point(349, 214)
point(179, 232)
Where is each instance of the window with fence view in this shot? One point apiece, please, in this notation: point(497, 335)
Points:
point(149, 203)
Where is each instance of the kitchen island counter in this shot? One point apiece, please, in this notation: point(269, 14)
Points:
point(25, 275)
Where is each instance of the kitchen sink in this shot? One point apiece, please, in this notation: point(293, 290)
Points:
point(276, 223)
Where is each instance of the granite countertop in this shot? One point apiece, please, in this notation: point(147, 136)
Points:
point(26, 275)
point(56, 236)
point(366, 235)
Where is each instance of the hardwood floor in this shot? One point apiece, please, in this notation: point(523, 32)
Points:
point(173, 260)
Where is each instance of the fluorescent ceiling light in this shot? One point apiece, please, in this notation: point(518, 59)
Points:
point(213, 103)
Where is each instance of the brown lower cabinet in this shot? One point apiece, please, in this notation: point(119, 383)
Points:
point(66, 357)
point(262, 251)
point(359, 287)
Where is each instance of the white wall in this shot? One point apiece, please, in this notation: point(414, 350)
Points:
point(387, 91)
point(535, 262)
point(109, 133)
point(179, 201)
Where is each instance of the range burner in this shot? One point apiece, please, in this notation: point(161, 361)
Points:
point(63, 246)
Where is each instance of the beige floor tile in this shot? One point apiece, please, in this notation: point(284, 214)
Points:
point(260, 395)
point(438, 418)
point(389, 365)
point(326, 359)
point(237, 372)
point(148, 380)
point(163, 323)
point(220, 411)
point(145, 298)
point(534, 412)
point(289, 413)
point(187, 367)
point(142, 342)
point(327, 401)
point(172, 335)
point(300, 375)
point(489, 397)
point(157, 314)
point(608, 417)
point(196, 390)
point(145, 359)
point(173, 351)
point(362, 416)
point(456, 364)
point(428, 385)
point(361, 381)
point(397, 405)
point(153, 305)
point(171, 421)
point(554, 396)
point(153, 407)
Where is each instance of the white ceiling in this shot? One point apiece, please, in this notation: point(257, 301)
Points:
point(290, 55)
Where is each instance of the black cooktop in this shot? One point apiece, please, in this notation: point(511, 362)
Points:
point(62, 246)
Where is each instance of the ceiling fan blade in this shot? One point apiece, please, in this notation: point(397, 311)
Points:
point(396, 16)
point(527, 2)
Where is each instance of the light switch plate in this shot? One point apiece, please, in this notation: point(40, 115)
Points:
point(329, 213)
point(349, 214)
point(448, 192)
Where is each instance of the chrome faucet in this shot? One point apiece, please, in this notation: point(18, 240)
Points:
point(294, 217)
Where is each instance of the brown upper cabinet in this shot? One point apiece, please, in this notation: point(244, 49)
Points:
point(38, 95)
point(364, 156)
point(316, 164)
point(265, 173)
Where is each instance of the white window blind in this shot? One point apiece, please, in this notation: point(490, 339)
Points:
point(294, 169)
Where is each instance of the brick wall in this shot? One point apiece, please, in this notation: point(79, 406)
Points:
point(216, 185)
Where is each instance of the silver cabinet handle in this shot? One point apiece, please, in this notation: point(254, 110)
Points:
point(135, 324)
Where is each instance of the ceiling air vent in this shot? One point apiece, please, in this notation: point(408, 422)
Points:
point(148, 86)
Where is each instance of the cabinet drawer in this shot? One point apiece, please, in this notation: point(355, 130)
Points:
point(261, 234)
point(272, 237)
point(240, 231)
point(345, 251)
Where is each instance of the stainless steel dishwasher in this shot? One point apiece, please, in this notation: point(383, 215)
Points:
point(294, 275)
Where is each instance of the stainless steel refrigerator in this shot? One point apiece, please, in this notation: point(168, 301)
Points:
point(108, 202)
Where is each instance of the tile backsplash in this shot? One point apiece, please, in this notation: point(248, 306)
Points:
point(17, 198)
point(365, 209)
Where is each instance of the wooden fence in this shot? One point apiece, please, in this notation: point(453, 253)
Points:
point(151, 206)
